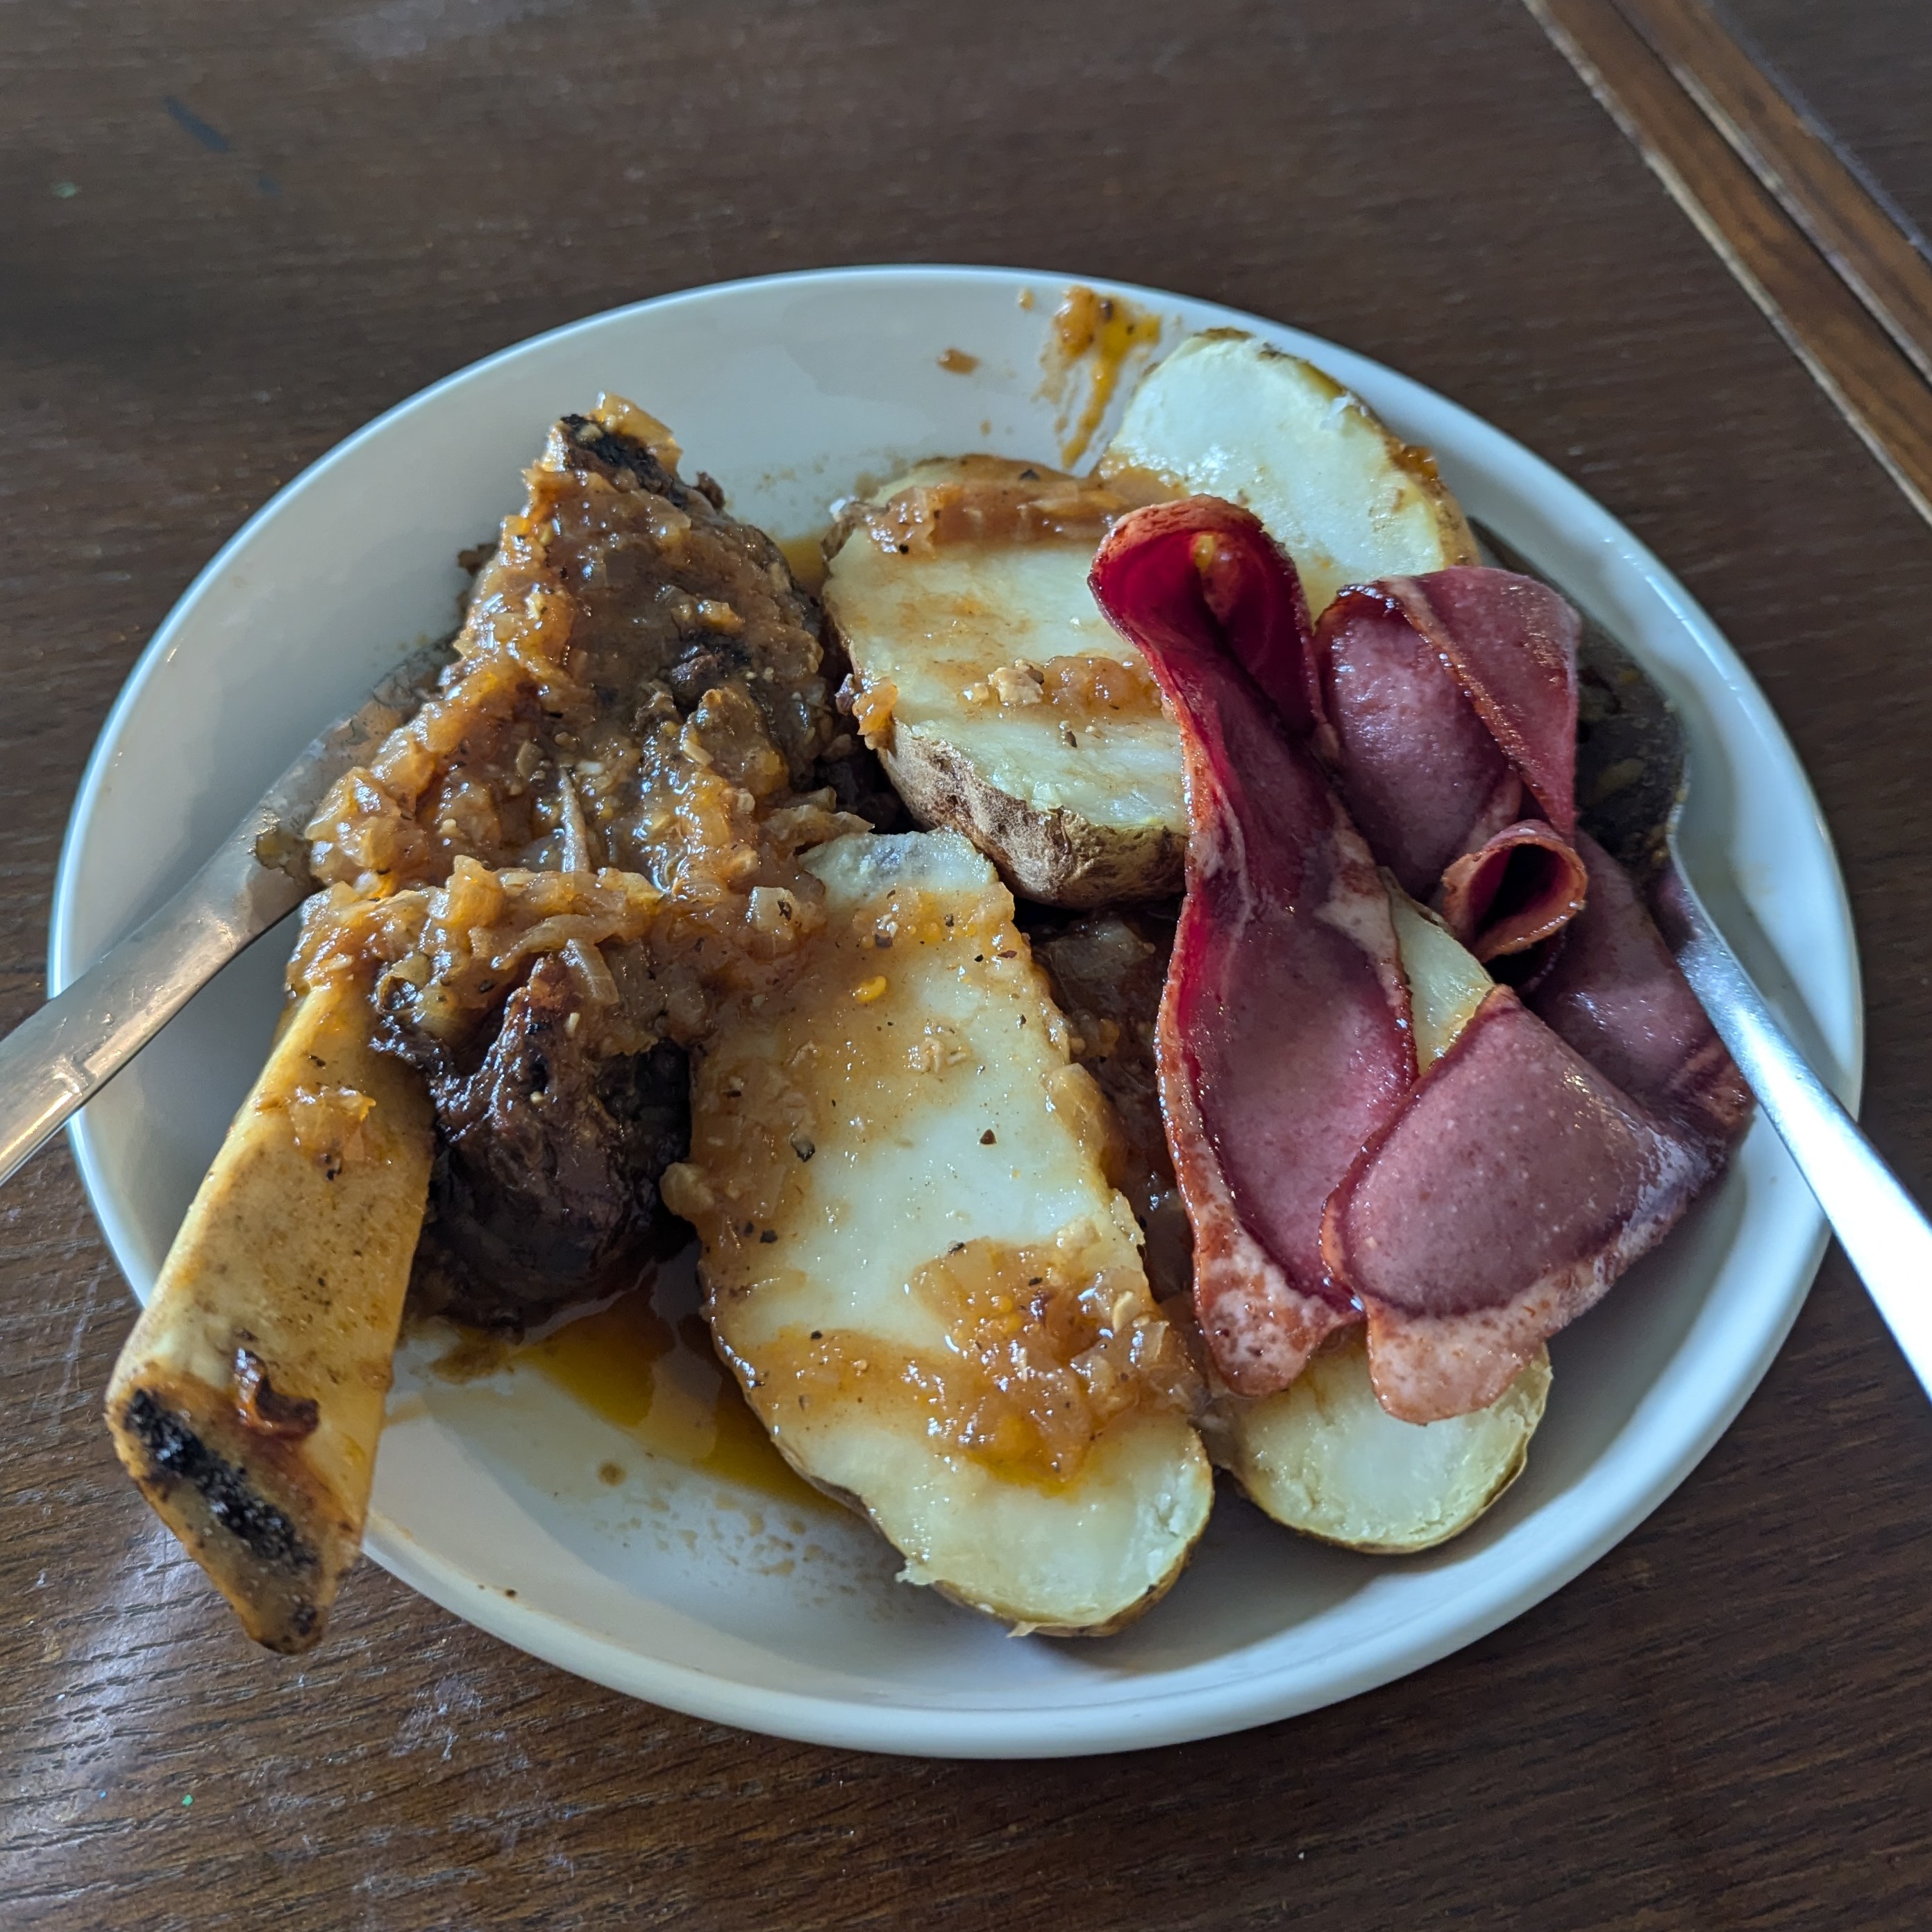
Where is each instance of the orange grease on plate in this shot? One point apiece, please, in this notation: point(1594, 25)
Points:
point(1106, 332)
point(659, 1381)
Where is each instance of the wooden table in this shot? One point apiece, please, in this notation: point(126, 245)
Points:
point(232, 232)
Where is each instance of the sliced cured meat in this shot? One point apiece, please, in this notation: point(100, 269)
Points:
point(1284, 1042)
point(1498, 1198)
point(1511, 644)
point(1522, 885)
point(1616, 995)
point(1252, 592)
point(1449, 702)
point(1423, 776)
point(1514, 1187)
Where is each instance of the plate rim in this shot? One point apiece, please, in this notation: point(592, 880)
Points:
point(901, 1724)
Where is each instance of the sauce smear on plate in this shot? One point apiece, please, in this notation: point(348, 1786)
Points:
point(649, 1369)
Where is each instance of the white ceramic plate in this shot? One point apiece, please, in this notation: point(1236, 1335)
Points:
point(673, 1586)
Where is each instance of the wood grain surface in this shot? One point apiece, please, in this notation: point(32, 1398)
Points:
point(231, 232)
point(1787, 236)
point(1866, 72)
point(1820, 185)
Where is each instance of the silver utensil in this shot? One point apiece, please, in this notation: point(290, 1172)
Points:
point(68, 1051)
point(1633, 775)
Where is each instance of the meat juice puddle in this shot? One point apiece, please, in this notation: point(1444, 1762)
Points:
point(805, 557)
point(644, 1364)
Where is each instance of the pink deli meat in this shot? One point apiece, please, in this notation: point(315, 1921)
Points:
point(1515, 1186)
point(1283, 1043)
point(1450, 704)
point(1553, 1143)
point(1468, 1215)
point(1616, 995)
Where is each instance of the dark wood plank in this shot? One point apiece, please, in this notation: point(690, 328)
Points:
point(1720, 1726)
point(1850, 353)
point(1866, 72)
point(1794, 156)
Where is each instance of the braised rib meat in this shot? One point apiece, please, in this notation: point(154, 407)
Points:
point(547, 1157)
point(587, 835)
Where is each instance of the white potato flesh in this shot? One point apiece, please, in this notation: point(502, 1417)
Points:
point(888, 1159)
point(1226, 416)
point(937, 623)
point(1323, 1456)
point(1446, 983)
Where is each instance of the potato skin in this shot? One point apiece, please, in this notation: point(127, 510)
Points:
point(1113, 1626)
point(1287, 1452)
point(1002, 1613)
point(1057, 856)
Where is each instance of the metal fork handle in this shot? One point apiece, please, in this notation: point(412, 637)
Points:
point(1880, 1226)
point(64, 1054)
point(68, 1051)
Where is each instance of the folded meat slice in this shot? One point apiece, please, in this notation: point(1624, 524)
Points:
point(1450, 701)
point(1515, 891)
point(1423, 776)
point(1559, 1138)
point(1514, 1187)
point(1616, 995)
point(1511, 644)
point(1284, 1041)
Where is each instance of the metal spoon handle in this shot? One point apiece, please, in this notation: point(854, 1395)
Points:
point(65, 1053)
point(1888, 1238)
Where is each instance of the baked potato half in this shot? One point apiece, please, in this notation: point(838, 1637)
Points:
point(914, 1261)
point(1324, 1457)
point(1003, 704)
point(1226, 416)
